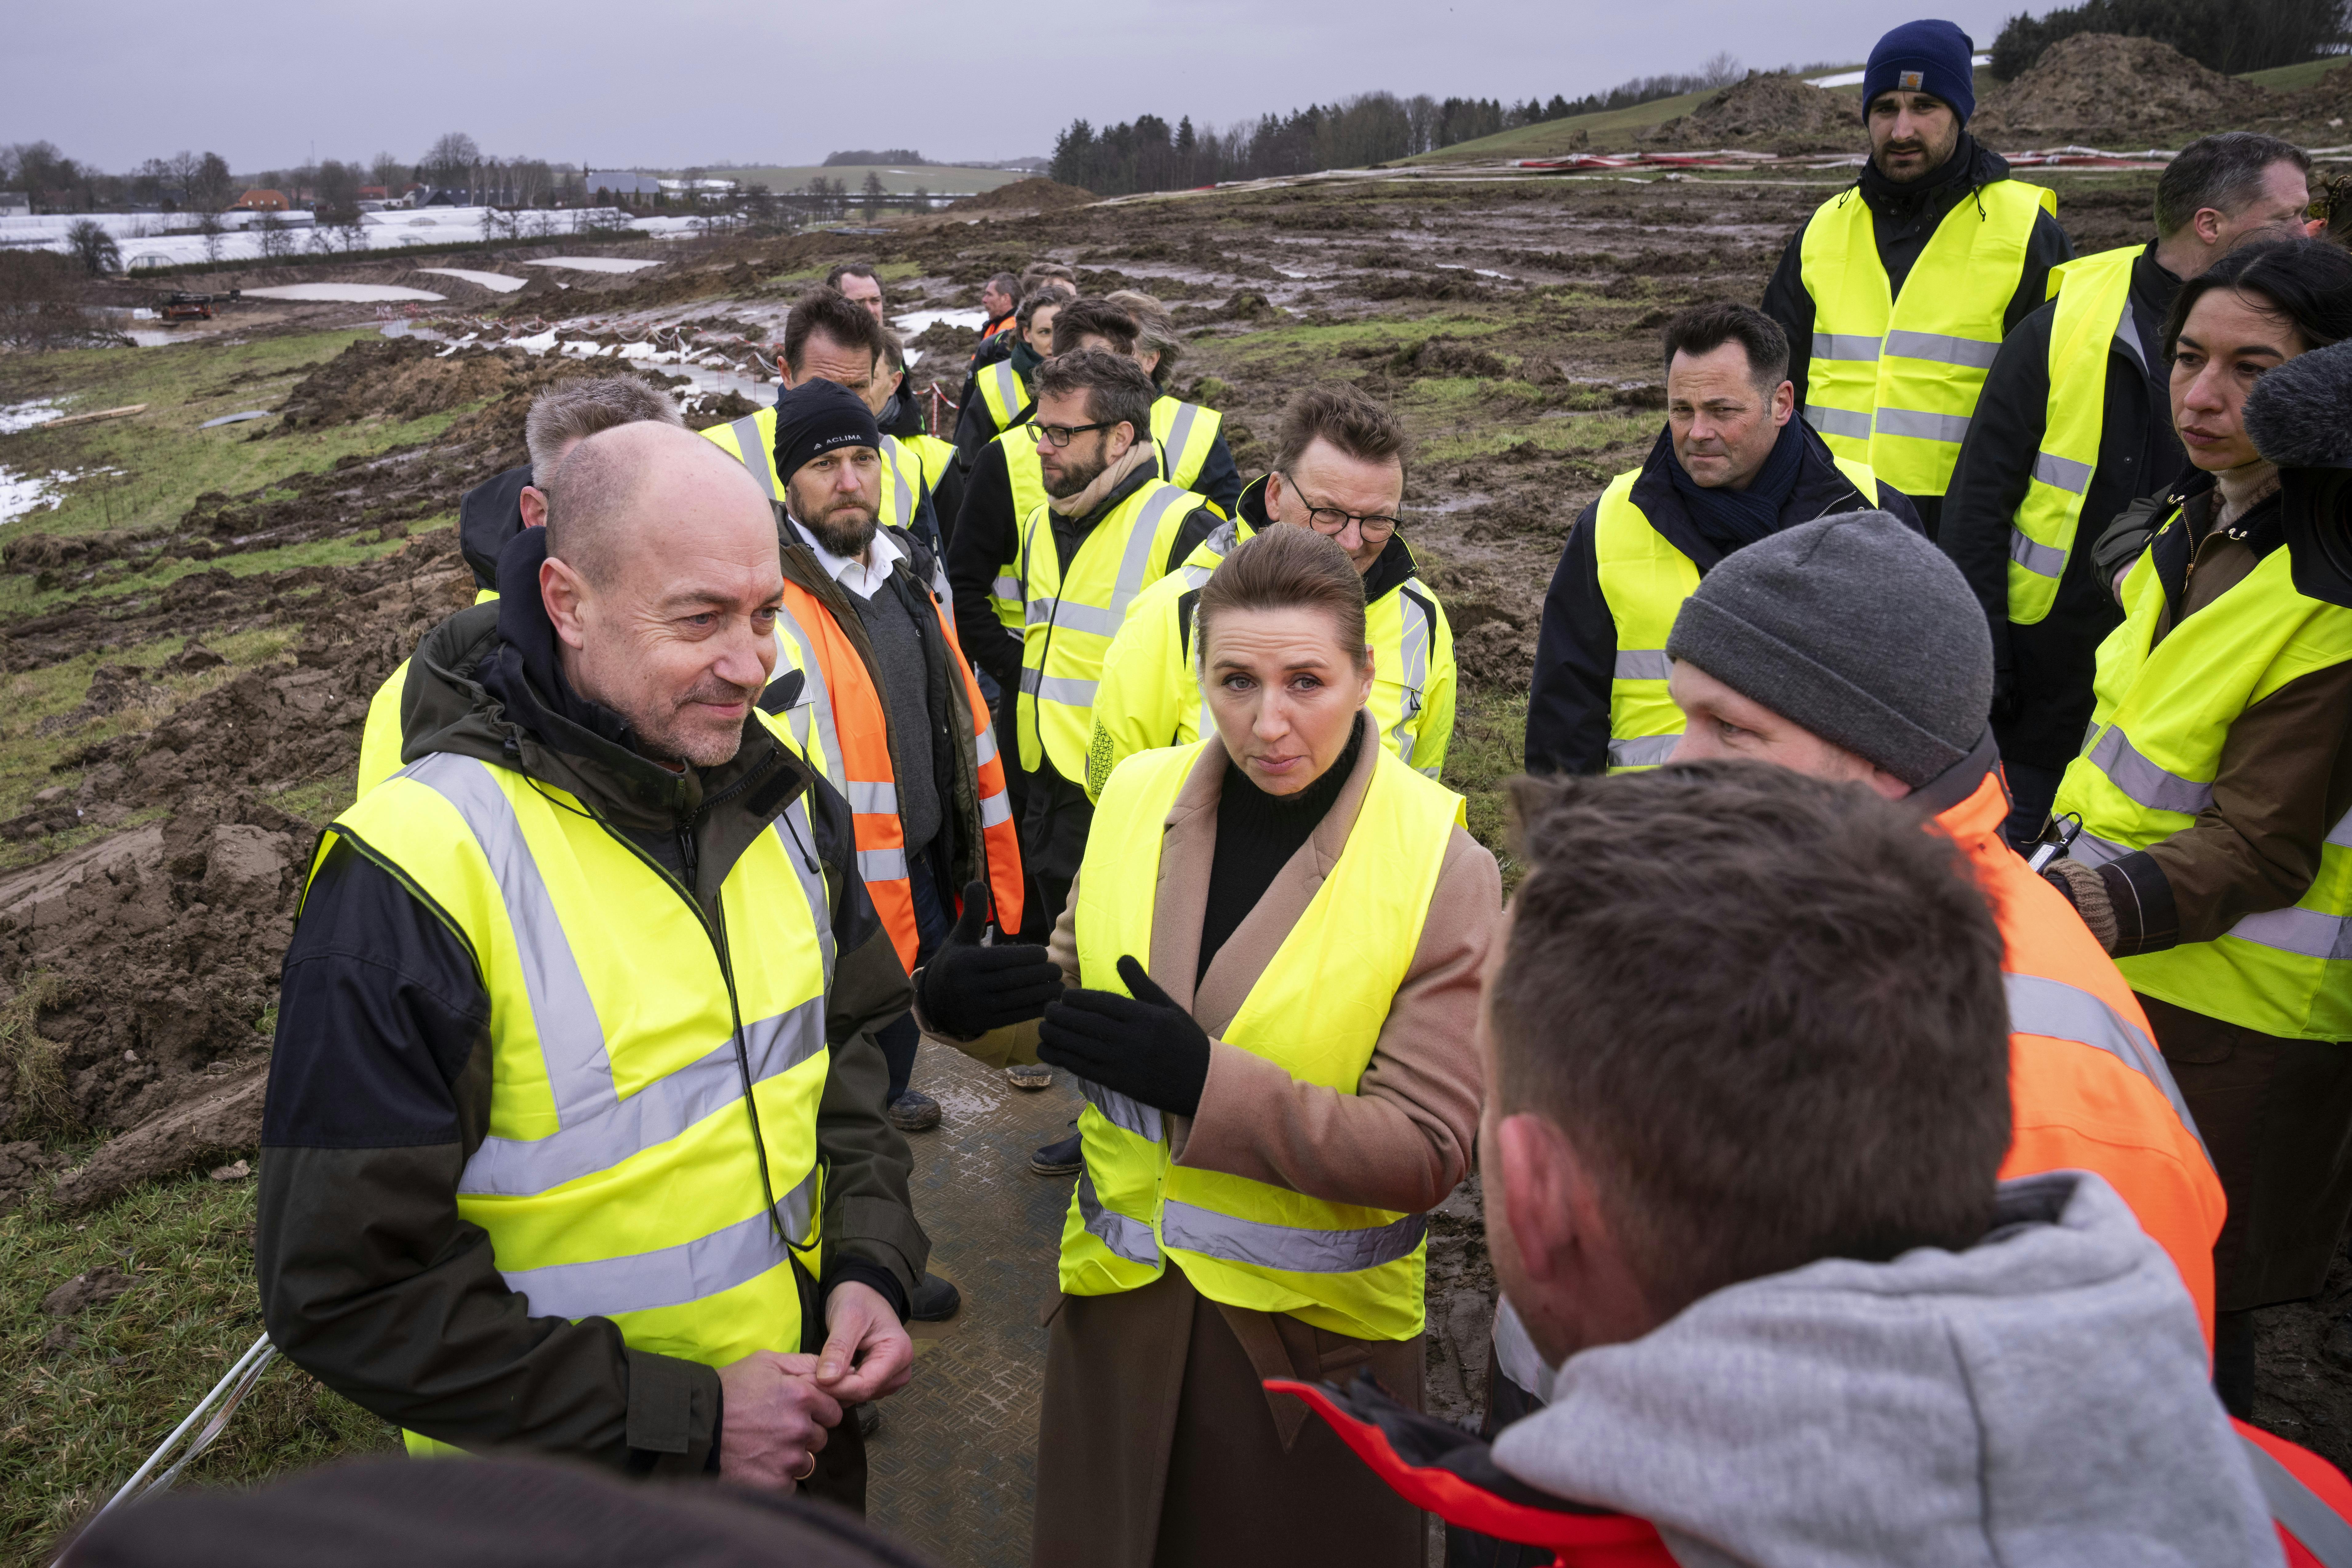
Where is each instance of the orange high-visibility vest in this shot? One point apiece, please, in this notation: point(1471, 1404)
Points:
point(2088, 1089)
point(1002, 323)
point(853, 721)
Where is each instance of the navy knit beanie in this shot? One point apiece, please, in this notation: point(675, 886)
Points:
point(1924, 56)
point(816, 416)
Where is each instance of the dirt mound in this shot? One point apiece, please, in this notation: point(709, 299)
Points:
point(406, 378)
point(2105, 89)
point(1771, 112)
point(1042, 196)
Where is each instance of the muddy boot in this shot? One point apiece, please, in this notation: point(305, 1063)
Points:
point(935, 1300)
point(1061, 1159)
point(914, 1112)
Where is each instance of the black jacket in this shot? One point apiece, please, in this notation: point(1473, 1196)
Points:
point(487, 516)
point(988, 535)
point(2042, 696)
point(379, 1086)
point(1576, 652)
point(1903, 224)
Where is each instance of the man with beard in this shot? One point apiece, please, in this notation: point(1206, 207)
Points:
point(899, 719)
point(998, 394)
point(1902, 288)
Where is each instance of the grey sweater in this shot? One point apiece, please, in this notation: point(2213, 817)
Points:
point(2038, 1399)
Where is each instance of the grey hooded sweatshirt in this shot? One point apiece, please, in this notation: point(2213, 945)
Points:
point(2041, 1398)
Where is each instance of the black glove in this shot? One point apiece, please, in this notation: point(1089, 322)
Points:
point(1143, 1046)
point(968, 989)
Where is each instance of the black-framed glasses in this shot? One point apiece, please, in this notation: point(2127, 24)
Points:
point(1063, 435)
point(1331, 520)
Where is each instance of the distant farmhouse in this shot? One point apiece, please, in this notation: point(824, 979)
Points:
point(259, 201)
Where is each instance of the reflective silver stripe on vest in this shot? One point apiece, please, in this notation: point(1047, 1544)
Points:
point(2040, 1006)
point(2062, 473)
point(795, 831)
point(2093, 850)
point(1102, 623)
point(1922, 426)
point(1058, 688)
point(1838, 421)
point(2042, 560)
point(2312, 933)
point(984, 746)
point(661, 1110)
point(1844, 345)
point(2144, 781)
point(1289, 1248)
point(571, 1037)
point(1642, 664)
point(870, 799)
point(1643, 750)
point(643, 1281)
point(1414, 654)
point(1121, 1111)
point(1942, 348)
point(1006, 588)
point(882, 865)
point(1136, 563)
point(818, 695)
point(755, 454)
point(904, 494)
point(2300, 1512)
point(994, 809)
point(1008, 389)
point(1179, 435)
point(1130, 1238)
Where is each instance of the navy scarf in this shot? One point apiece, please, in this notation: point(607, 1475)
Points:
point(1730, 518)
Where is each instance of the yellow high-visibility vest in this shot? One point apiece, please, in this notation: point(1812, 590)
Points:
point(751, 441)
point(2093, 295)
point(619, 1177)
point(1187, 434)
point(2163, 714)
point(1069, 624)
point(1316, 1012)
point(1004, 393)
point(1894, 383)
point(1149, 693)
point(1645, 579)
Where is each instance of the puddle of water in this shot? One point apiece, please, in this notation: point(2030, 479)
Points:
point(342, 293)
point(915, 324)
point(595, 263)
point(18, 416)
point(497, 281)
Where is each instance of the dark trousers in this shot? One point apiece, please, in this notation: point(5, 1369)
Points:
point(1052, 842)
point(899, 1038)
point(2031, 791)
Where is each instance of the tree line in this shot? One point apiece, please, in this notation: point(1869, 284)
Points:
point(2228, 36)
point(1149, 154)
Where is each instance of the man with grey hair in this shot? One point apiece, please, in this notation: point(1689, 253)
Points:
point(858, 282)
point(1000, 297)
point(575, 1113)
point(492, 513)
point(2074, 425)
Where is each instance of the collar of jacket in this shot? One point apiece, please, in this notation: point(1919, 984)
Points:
point(2155, 287)
point(1972, 165)
point(1139, 467)
point(903, 416)
point(1389, 570)
point(479, 698)
point(1821, 487)
point(2263, 528)
point(488, 516)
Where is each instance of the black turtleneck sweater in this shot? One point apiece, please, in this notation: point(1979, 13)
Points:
point(1257, 834)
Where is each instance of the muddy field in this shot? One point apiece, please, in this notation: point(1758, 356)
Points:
point(188, 672)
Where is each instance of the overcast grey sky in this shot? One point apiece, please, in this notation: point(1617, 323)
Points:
point(695, 81)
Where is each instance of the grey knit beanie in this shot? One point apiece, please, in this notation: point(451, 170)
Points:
point(1855, 627)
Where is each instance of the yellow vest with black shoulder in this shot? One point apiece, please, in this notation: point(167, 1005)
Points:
point(1316, 1012)
point(1004, 393)
point(1027, 475)
point(619, 1177)
point(934, 455)
point(1893, 382)
point(1187, 434)
point(1646, 580)
point(2163, 716)
point(1068, 626)
point(751, 441)
point(2093, 295)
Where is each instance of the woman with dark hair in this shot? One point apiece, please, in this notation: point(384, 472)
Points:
point(2215, 795)
point(1266, 982)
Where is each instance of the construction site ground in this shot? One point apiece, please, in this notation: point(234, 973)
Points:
point(188, 640)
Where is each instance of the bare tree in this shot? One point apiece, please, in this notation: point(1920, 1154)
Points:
point(210, 226)
point(94, 247)
point(385, 169)
point(209, 186)
point(451, 158)
point(873, 192)
point(277, 236)
point(1723, 69)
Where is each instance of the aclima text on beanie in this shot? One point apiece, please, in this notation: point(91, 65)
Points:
point(1933, 57)
point(1855, 627)
point(816, 416)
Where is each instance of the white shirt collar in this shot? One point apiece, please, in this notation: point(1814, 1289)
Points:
point(862, 578)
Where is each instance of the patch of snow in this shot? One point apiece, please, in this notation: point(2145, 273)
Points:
point(497, 280)
point(18, 416)
point(537, 344)
point(23, 494)
point(642, 350)
point(341, 293)
point(1854, 78)
point(915, 324)
point(595, 263)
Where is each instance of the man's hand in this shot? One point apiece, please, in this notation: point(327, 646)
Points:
point(1142, 1045)
point(773, 1420)
point(968, 990)
point(867, 1352)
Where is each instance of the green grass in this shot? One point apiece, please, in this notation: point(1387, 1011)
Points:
point(1568, 437)
point(164, 462)
point(1489, 746)
point(1403, 334)
point(2291, 79)
point(114, 581)
point(76, 1422)
point(1608, 128)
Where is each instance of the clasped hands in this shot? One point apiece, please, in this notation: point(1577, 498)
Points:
point(777, 1409)
point(1141, 1045)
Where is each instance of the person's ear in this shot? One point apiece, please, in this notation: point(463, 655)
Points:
point(1538, 1191)
point(1122, 437)
point(2207, 224)
point(534, 507)
point(1784, 402)
point(1371, 671)
point(566, 594)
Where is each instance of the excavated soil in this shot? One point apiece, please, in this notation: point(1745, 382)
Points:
point(2106, 89)
point(1024, 196)
point(1768, 112)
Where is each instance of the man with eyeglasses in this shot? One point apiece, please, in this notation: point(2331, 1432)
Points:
point(1732, 466)
point(1339, 465)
